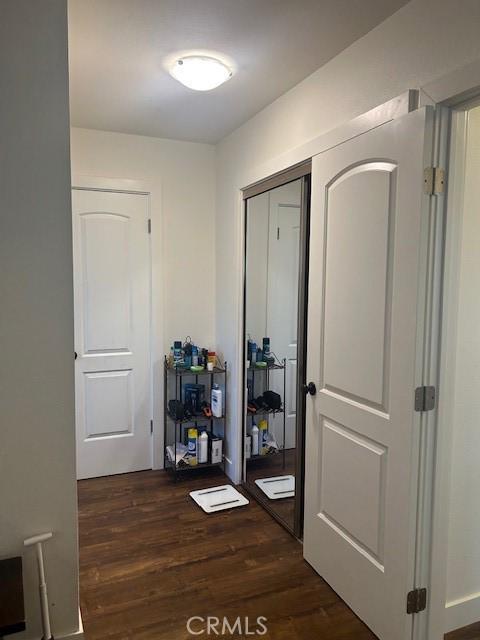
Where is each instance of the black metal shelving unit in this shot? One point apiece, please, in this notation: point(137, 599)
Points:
point(252, 371)
point(174, 379)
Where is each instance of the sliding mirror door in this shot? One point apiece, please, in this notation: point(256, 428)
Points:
point(275, 312)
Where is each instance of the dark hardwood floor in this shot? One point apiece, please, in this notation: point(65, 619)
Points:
point(150, 559)
point(468, 633)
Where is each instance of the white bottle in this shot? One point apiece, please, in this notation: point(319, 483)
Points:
point(203, 448)
point(255, 440)
point(248, 447)
point(217, 406)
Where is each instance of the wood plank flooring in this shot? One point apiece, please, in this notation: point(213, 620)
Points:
point(150, 559)
point(468, 633)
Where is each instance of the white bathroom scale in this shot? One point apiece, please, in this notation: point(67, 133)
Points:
point(218, 498)
point(277, 487)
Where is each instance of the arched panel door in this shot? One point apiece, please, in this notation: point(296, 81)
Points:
point(360, 517)
point(112, 332)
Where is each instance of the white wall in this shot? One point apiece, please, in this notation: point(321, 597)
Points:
point(37, 456)
point(425, 40)
point(182, 179)
point(463, 561)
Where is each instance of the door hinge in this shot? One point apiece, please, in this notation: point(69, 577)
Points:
point(434, 180)
point(149, 225)
point(416, 601)
point(151, 426)
point(425, 398)
point(278, 233)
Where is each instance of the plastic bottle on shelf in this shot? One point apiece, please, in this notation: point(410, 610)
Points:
point(262, 437)
point(254, 434)
point(217, 406)
point(203, 448)
point(192, 446)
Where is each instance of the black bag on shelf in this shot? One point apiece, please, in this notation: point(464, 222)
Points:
point(176, 409)
point(273, 400)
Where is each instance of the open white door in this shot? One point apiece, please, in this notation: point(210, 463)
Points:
point(361, 442)
point(112, 332)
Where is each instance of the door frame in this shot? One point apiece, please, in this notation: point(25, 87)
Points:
point(443, 617)
point(156, 349)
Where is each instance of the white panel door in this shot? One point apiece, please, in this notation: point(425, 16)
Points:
point(112, 332)
point(360, 507)
point(282, 302)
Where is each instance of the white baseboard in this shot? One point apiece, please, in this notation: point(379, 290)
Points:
point(462, 612)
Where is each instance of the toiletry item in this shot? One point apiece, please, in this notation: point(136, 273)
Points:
point(195, 362)
point(196, 368)
point(188, 350)
point(194, 395)
point(209, 366)
point(255, 435)
point(212, 357)
point(192, 446)
point(216, 450)
point(177, 353)
point(217, 405)
point(253, 353)
point(262, 437)
point(266, 348)
point(259, 355)
point(206, 409)
point(203, 447)
point(248, 447)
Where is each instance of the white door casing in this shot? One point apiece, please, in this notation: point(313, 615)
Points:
point(112, 332)
point(361, 445)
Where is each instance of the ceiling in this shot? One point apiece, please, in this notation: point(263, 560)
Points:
point(118, 47)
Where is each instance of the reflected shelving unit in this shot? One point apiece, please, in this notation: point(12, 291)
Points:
point(258, 381)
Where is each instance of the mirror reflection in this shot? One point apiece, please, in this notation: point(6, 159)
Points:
point(271, 305)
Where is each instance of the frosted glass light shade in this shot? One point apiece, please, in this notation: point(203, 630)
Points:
point(200, 73)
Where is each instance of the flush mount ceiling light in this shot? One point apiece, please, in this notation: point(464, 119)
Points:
point(201, 73)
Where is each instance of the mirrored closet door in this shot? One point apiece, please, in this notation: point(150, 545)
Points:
point(276, 255)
